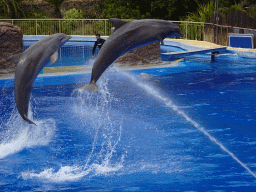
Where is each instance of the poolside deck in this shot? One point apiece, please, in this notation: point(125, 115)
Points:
point(181, 54)
point(48, 71)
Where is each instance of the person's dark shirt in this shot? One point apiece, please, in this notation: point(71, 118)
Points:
point(98, 43)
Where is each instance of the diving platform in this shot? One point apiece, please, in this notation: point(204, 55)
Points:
point(171, 56)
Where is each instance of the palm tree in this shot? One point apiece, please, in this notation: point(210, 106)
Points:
point(204, 12)
point(56, 4)
point(11, 8)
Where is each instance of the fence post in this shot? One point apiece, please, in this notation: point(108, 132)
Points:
point(59, 27)
point(105, 27)
point(196, 31)
point(36, 26)
point(186, 29)
point(83, 28)
point(203, 32)
point(227, 37)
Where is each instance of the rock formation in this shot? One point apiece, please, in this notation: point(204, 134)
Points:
point(142, 55)
point(10, 44)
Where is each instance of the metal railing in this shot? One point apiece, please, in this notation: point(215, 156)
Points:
point(191, 30)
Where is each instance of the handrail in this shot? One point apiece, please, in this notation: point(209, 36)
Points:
point(191, 30)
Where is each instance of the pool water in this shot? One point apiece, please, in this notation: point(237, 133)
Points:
point(73, 53)
point(136, 134)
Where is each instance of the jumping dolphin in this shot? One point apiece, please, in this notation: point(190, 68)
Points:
point(28, 66)
point(127, 36)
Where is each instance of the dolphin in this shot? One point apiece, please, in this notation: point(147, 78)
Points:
point(127, 36)
point(29, 64)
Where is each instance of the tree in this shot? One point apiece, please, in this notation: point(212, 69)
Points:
point(56, 4)
point(11, 9)
point(139, 9)
point(129, 9)
point(172, 9)
point(229, 3)
point(204, 12)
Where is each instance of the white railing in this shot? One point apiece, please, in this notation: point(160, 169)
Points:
point(191, 30)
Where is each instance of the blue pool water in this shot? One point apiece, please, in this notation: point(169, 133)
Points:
point(189, 131)
point(74, 53)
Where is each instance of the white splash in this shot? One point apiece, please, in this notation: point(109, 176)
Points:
point(66, 173)
point(96, 116)
point(71, 173)
point(20, 135)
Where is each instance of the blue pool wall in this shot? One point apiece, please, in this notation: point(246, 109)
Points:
point(70, 55)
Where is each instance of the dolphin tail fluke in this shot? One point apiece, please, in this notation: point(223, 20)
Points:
point(90, 86)
point(28, 120)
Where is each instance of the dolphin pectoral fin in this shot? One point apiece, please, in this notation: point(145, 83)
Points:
point(90, 86)
point(54, 57)
point(28, 120)
point(117, 22)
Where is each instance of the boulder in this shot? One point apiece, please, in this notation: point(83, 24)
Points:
point(142, 55)
point(10, 44)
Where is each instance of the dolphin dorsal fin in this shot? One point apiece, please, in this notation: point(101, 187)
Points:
point(117, 22)
point(15, 58)
point(54, 57)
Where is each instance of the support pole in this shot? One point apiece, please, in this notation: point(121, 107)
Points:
point(213, 56)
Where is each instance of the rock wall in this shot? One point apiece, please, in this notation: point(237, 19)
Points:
point(10, 43)
point(141, 55)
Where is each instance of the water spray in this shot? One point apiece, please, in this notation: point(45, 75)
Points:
point(152, 91)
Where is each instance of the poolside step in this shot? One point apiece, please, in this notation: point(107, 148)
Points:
point(180, 54)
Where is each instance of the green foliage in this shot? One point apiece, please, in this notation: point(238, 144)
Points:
point(228, 3)
point(55, 3)
point(69, 26)
point(40, 27)
point(233, 7)
point(139, 9)
point(123, 9)
point(163, 9)
point(11, 9)
point(73, 14)
point(35, 15)
point(252, 10)
point(204, 12)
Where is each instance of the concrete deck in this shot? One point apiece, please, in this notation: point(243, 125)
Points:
point(50, 71)
point(180, 54)
point(206, 44)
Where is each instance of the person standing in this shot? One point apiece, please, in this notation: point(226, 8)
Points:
point(98, 43)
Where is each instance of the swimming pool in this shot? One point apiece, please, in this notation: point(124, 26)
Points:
point(135, 134)
point(79, 52)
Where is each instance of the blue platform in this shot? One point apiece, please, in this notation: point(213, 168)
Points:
point(241, 40)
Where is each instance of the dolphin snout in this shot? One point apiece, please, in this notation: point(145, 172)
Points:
point(68, 37)
point(64, 40)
